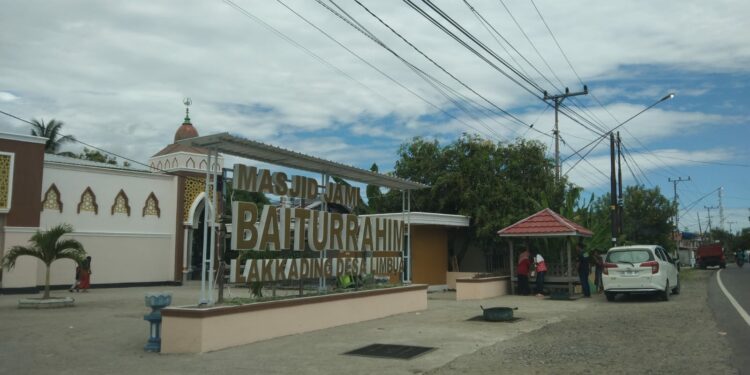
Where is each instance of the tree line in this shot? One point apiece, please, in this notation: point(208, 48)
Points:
point(498, 184)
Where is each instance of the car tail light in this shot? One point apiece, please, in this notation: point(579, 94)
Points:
point(653, 264)
point(607, 266)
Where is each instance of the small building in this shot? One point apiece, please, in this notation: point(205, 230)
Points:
point(428, 259)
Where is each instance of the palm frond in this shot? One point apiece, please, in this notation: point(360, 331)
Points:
point(9, 260)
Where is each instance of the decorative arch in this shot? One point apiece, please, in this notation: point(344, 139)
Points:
point(174, 163)
point(88, 202)
point(158, 165)
point(167, 164)
point(195, 208)
point(193, 214)
point(190, 163)
point(152, 206)
point(121, 204)
point(202, 165)
point(52, 199)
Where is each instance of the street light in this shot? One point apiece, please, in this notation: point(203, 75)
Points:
point(605, 135)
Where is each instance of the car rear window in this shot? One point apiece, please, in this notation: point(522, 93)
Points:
point(629, 256)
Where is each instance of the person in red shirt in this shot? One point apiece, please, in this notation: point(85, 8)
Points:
point(524, 265)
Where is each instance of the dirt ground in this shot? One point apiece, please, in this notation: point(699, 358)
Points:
point(635, 335)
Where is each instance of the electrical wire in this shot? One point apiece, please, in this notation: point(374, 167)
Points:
point(374, 67)
point(519, 121)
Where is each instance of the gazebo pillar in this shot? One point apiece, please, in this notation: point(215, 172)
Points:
point(512, 264)
point(570, 271)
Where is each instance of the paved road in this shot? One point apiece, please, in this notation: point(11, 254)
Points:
point(633, 335)
point(736, 281)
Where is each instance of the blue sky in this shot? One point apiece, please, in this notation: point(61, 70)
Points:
point(116, 74)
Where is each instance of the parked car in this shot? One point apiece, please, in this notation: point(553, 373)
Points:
point(710, 255)
point(640, 269)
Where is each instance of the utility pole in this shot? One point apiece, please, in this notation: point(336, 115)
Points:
point(558, 99)
point(708, 209)
point(721, 208)
point(676, 201)
point(620, 201)
point(730, 226)
point(613, 191)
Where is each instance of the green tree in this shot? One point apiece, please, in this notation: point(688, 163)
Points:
point(496, 184)
point(50, 130)
point(647, 216)
point(97, 156)
point(47, 247)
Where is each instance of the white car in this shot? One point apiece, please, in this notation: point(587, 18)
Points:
point(640, 269)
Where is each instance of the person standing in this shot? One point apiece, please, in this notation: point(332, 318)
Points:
point(541, 270)
point(85, 280)
point(78, 279)
point(598, 269)
point(584, 268)
point(524, 266)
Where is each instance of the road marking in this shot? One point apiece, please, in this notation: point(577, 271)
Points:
point(733, 301)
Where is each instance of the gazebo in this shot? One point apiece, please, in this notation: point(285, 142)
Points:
point(545, 223)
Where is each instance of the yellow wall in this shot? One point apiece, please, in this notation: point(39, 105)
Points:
point(429, 255)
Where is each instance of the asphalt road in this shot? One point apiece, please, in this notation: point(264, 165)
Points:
point(736, 281)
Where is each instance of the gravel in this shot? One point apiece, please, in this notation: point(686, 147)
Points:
point(633, 335)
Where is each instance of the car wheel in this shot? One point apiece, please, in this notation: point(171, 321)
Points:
point(665, 294)
point(610, 296)
point(676, 289)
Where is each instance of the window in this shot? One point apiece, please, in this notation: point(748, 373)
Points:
point(152, 206)
point(52, 199)
point(121, 204)
point(660, 254)
point(88, 202)
point(629, 256)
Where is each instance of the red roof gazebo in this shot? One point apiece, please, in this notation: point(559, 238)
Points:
point(545, 223)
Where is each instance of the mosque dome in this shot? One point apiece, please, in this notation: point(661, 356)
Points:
point(185, 131)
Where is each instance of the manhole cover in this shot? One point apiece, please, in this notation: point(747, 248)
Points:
point(480, 318)
point(390, 351)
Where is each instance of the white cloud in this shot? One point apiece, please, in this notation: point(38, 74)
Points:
point(116, 73)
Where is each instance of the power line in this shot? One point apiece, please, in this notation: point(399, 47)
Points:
point(374, 67)
point(484, 47)
point(75, 139)
point(636, 165)
point(300, 46)
point(441, 67)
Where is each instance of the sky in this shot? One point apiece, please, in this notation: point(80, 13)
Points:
point(297, 75)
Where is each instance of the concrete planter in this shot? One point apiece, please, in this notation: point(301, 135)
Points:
point(197, 330)
point(481, 288)
point(51, 303)
point(451, 278)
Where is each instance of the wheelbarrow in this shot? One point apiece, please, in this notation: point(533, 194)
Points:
point(498, 314)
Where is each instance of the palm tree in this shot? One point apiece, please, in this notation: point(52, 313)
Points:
point(51, 131)
point(48, 247)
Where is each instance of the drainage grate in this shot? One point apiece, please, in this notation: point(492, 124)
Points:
point(480, 318)
point(390, 351)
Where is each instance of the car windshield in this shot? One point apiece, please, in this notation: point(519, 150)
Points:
point(629, 256)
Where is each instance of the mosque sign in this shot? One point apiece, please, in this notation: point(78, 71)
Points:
point(379, 240)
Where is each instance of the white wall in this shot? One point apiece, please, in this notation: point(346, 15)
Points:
point(123, 248)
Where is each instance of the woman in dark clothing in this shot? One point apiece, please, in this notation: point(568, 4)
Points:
point(583, 270)
point(598, 269)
